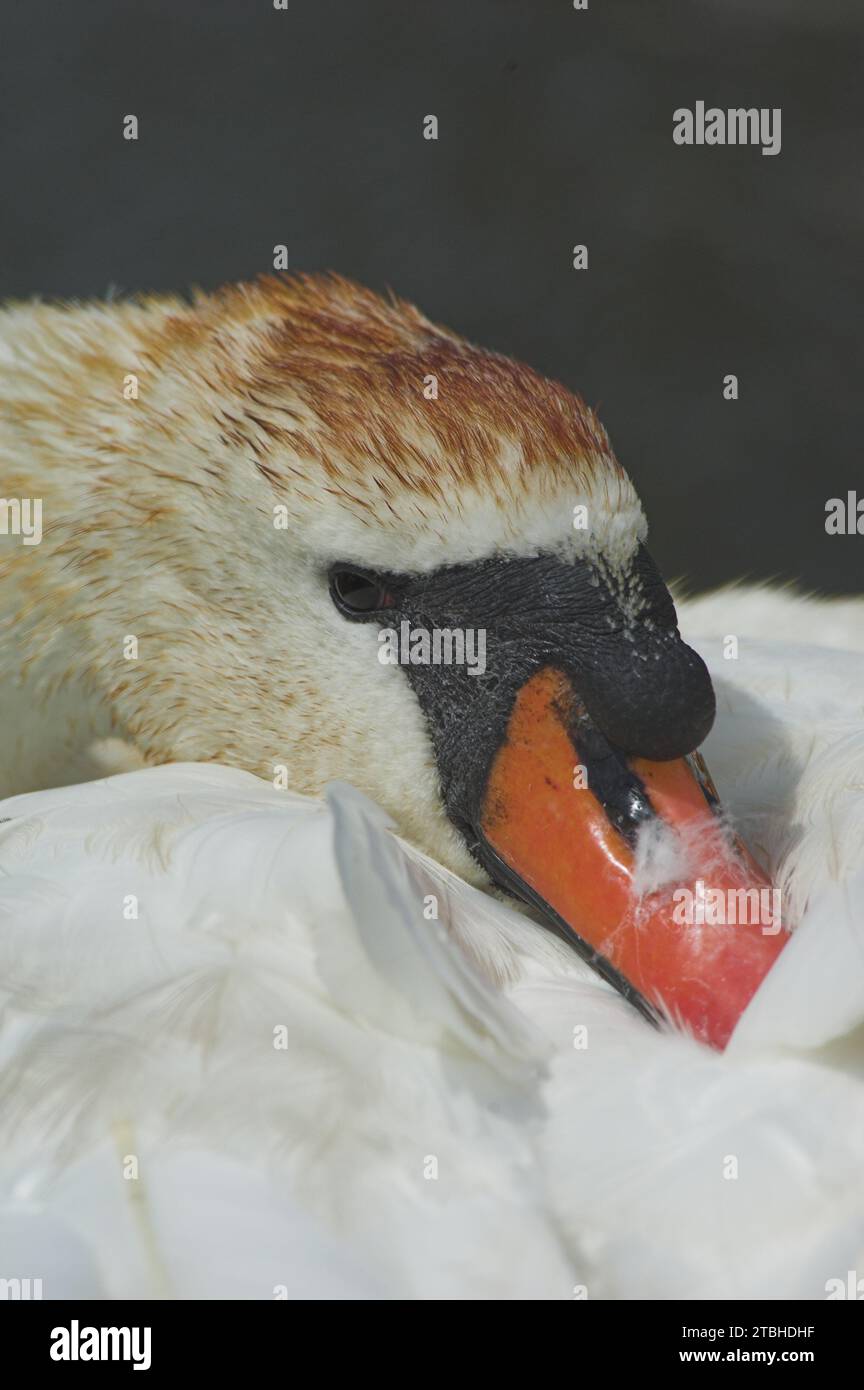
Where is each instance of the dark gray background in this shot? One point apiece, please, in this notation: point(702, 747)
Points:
point(259, 127)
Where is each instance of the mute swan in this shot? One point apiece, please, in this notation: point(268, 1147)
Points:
point(254, 1044)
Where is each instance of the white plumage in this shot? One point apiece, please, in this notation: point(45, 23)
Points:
point(428, 1123)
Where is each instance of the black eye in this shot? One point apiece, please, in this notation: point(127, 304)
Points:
point(355, 593)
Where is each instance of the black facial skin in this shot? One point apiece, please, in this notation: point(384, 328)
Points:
point(638, 690)
point(644, 691)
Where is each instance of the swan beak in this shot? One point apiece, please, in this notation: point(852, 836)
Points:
point(626, 858)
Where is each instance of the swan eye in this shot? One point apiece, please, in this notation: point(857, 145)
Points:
point(355, 593)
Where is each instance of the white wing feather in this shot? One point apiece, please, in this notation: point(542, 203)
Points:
point(325, 1091)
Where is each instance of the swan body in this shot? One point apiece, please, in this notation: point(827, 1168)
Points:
point(315, 1081)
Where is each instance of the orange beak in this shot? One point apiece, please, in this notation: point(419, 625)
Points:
point(565, 830)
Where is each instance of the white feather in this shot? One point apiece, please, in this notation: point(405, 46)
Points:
point(429, 1128)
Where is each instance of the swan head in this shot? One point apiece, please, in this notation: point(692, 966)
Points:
point(323, 482)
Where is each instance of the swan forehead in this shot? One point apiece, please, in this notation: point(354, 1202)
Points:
point(394, 441)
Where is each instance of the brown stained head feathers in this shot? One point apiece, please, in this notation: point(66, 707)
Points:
point(369, 391)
